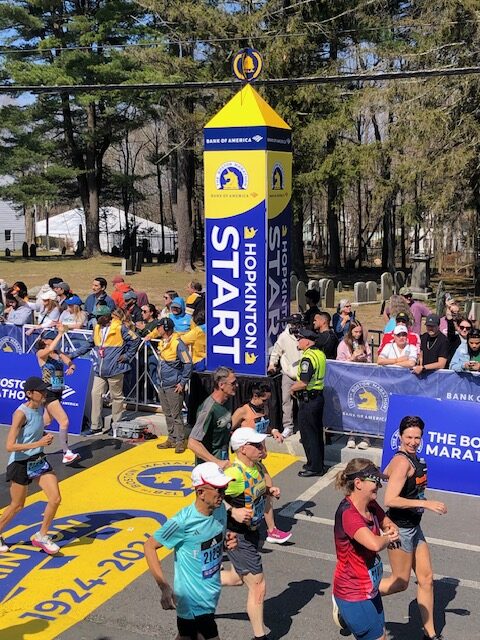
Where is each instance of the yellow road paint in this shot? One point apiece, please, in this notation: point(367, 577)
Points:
point(107, 512)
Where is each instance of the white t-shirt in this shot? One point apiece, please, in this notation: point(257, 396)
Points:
point(391, 351)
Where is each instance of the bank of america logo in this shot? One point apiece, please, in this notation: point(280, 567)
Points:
point(67, 392)
point(257, 138)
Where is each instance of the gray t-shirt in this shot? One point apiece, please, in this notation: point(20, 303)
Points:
point(213, 428)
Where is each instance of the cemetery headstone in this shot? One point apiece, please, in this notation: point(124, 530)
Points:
point(386, 285)
point(371, 291)
point(339, 286)
point(293, 286)
point(399, 280)
point(359, 292)
point(301, 302)
point(313, 284)
point(329, 294)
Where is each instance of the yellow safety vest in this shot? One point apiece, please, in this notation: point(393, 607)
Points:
point(319, 363)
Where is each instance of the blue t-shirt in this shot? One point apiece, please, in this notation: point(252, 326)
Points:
point(31, 431)
point(198, 544)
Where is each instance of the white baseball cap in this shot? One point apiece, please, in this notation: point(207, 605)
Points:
point(209, 473)
point(48, 295)
point(244, 435)
point(400, 328)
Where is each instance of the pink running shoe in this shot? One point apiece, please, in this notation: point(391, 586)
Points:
point(45, 543)
point(70, 457)
point(276, 536)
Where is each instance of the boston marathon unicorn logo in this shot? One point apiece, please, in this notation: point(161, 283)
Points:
point(369, 396)
point(277, 178)
point(231, 176)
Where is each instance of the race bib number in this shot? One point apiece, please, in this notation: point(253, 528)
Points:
point(376, 573)
point(212, 552)
point(56, 381)
point(37, 467)
point(258, 512)
point(262, 424)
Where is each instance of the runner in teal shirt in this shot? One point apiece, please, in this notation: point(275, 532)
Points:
point(197, 535)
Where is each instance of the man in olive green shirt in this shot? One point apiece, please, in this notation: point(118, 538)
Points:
point(210, 435)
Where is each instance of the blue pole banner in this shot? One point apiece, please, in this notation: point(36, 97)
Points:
point(450, 443)
point(248, 174)
point(357, 396)
point(15, 368)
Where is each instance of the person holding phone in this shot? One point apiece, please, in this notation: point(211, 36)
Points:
point(467, 357)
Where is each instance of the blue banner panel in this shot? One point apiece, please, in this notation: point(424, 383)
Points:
point(450, 443)
point(251, 138)
point(236, 290)
point(278, 290)
point(16, 368)
point(357, 396)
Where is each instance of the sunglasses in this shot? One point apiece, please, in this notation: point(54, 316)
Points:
point(145, 310)
point(372, 478)
point(217, 489)
point(257, 445)
point(464, 327)
point(401, 335)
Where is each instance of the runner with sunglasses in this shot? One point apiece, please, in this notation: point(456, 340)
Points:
point(246, 499)
point(361, 530)
point(198, 535)
point(406, 502)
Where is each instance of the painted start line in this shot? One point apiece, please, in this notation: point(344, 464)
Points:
point(107, 512)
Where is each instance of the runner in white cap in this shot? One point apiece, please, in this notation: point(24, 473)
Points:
point(198, 535)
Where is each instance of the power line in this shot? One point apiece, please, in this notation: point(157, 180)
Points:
point(226, 84)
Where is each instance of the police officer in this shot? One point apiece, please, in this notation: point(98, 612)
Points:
point(308, 390)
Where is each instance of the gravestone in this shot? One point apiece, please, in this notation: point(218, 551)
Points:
point(293, 287)
point(359, 292)
point(301, 302)
point(329, 294)
point(371, 291)
point(126, 268)
point(313, 284)
point(339, 286)
point(399, 280)
point(440, 299)
point(321, 287)
point(421, 275)
point(386, 285)
point(24, 250)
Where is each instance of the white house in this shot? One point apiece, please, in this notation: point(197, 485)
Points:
point(12, 227)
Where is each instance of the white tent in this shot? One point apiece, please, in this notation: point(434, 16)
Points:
point(112, 226)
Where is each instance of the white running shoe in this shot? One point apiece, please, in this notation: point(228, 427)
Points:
point(351, 443)
point(337, 616)
point(3, 546)
point(45, 542)
point(69, 457)
point(363, 444)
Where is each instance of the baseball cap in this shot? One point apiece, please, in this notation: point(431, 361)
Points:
point(117, 279)
point(399, 329)
point(74, 300)
point(101, 310)
point(63, 285)
point(370, 472)
point(48, 295)
point(405, 291)
point(308, 334)
point(294, 318)
point(432, 320)
point(402, 317)
point(166, 323)
point(209, 473)
point(244, 435)
point(35, 384)
point(129, 295)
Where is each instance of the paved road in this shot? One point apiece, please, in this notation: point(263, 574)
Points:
point(298, 574)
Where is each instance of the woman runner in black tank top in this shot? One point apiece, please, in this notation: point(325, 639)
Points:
point(406, 502)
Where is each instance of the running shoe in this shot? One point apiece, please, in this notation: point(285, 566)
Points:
point(363, 444)
point(3, 546)
point(69, 457)
point(91, 432)
point(45, 542)
point(337, 616)
point(276, 536)
point(351, 443)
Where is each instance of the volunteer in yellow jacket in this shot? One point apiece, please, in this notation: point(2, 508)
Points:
point(174, 371)
point(113, 348)
point(308, 389)
point(245, 497)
